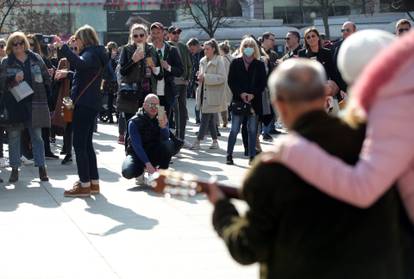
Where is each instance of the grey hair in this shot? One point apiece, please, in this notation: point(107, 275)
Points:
point(298, 80)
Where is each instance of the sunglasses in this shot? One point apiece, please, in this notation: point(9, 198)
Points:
point(176, 32)
point(152, 105)
point(21, 43)
point(138, 35)
point(345, 30)
point(74, 48)
point(311, 36)
point(402, 30)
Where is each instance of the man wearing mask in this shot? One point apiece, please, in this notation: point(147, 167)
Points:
point(180, 108)
point(171, 67)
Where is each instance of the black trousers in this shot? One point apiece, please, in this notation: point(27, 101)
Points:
point(67, 139)
point(180, 111)
point(159, 155)
point(83, 125)
point(46, 140)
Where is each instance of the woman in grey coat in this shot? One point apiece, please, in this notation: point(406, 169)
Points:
point(32, 112)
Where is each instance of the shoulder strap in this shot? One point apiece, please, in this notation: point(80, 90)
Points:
point(87, 86)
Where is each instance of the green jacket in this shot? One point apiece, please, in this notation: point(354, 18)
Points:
point(295, 231)
point(185, 59)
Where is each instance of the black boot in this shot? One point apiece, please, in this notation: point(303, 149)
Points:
point(67, 159)
point(14, 176)
point(43, 174)
point(229, 160)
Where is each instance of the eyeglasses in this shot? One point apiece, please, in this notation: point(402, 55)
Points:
point(74, 48)
point(21, 43)
point(152, 105)
point(311, 36)
point(142, 35)
point(176, 32)
point(346, 30)
point(402, 30)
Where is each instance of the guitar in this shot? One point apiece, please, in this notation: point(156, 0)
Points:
point(182, 184)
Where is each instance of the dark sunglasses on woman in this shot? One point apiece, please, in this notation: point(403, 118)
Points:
point(139, 35)
point(21, 43)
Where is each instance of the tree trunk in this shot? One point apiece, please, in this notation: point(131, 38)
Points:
point(325, 15)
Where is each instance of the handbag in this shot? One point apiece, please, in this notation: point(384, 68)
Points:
point(129, 91)
point(67, 110)
point(241, 108)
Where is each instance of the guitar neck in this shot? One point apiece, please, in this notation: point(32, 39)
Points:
point(229, 191)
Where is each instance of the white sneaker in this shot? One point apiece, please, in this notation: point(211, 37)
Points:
point(195, 146)
point(4, 162)
point(26, 161)
point(140, 180)
point(214, 145)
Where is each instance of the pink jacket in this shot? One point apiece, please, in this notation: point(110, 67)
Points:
point(386, 93)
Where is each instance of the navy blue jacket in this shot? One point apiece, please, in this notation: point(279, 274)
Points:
point(91, 61)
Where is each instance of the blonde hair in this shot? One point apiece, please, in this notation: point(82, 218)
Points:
point(225, 47)
point(87, 35)
point(137, 26)
point(16, 35)
point(249, 41)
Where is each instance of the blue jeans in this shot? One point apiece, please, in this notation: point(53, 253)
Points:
point(236, 121)
point(83, 125)
point(37, 144)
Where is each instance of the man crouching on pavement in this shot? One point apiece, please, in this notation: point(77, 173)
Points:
point(148, 144)
point(294, 230)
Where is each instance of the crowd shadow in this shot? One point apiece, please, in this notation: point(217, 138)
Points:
point(127, 218)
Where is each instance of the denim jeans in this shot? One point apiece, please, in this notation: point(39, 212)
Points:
point(83, 125)
point(37, 144)
point(159, 155)
point(236, 121)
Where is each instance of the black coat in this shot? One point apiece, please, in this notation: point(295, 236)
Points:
point(91, 62)
point(252, 81)
point(296, 231)
point(177, 69)
point(335, 50)
point(324, 56)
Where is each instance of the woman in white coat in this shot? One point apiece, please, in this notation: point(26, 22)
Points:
point(210, 96)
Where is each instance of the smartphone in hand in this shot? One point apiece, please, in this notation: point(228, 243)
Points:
point(161, 112)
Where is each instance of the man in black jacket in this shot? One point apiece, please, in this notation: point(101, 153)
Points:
point(171, 67)
point(292, 229)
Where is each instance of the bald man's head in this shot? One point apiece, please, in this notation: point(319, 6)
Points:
point(348, 28)
point(151, 104)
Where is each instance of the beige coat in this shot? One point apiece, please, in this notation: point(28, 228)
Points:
point(227, 61)
point(215, 80)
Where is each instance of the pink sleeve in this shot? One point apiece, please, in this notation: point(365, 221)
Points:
point(387, 152)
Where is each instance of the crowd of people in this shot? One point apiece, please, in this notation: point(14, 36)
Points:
point(63, 88)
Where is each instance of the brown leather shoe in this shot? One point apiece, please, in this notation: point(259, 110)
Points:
point(14, 176)
point(94, 189)
point(78, 191)
point(43, 174)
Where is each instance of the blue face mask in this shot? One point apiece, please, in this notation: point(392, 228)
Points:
point(248, 51)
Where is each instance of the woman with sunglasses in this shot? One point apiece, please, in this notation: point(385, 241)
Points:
point(86, 96)
point(138, 62)
point(32, 112)
point(314, 50)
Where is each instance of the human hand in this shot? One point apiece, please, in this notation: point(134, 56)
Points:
point(138, 56)
point(150, 168)
point(200, 77)
point(243, 96)
point(57, 42)
point(162, 121)
point(51, 71)
point(250, 97)
point(61, 74)
point(214, 193)
point(19, 76)
point(165, 65)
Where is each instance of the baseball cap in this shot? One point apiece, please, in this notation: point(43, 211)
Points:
point(173, 28)
point(157, 25)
